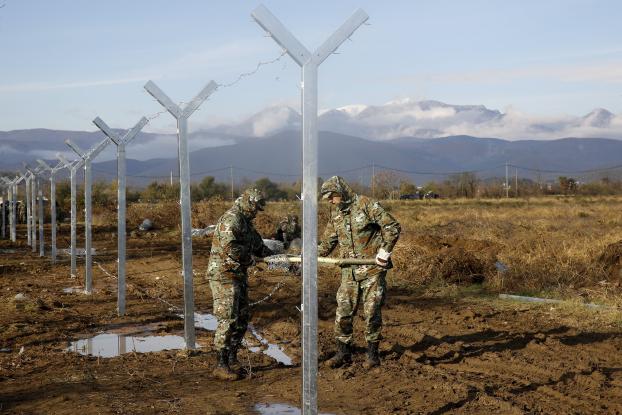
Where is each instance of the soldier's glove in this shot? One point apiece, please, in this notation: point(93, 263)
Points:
point(382, 258)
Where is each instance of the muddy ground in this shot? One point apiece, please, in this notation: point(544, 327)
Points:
point(464, 353)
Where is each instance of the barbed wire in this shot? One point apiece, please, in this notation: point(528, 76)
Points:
point(381, 167)
point(254, 71)
point(194, 273)
point(238, 79)
point(139, 289)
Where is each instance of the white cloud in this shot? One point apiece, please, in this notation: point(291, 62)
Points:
point(271, 121)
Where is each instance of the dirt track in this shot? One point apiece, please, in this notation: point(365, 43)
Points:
point(465, 354)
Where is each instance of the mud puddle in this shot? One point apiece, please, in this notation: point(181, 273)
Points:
point(79, 251)
point(73, 290)
point(114, 344)
point(273, 350)
point(209, 322)
point(279, 408)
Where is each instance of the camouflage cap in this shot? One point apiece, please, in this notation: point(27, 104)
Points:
point(336, 184)
point(252, 200)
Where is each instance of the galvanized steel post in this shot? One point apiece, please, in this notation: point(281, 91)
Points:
point(41, 222)
point(33, 199)
point(182, 115)
point(52, 171)
point(73, 167)
point(4, 200)
point(32, 217)
point(121, 142)
point(309, 63)
point(88, 211)
point(15, 193)
point(27, 183)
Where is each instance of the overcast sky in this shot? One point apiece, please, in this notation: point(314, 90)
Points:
point(66, 62)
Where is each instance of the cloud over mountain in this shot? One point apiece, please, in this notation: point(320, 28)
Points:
point(430, 119)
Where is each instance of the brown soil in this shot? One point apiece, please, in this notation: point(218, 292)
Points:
point(468, 355)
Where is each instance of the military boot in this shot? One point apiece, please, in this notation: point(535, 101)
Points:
point(223, 370)
point(233, 356)
point(342, 357)
point(373, 359)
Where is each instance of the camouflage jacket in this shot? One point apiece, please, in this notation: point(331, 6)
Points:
point(234, 242)
point(360, 227)
point(287, 230)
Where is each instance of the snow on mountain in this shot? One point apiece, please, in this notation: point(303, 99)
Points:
point(430, 119)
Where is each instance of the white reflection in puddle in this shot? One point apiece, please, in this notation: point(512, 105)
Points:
point(112, 345)
point(210, 322)
point(273, 350)
point(278, 409)
point(205, 321)
point(73, 290)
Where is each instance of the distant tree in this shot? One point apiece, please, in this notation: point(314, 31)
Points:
point(407, 187)
point(104, 194)
point(387, 184)
point(461, 185)
point(209, 188)
point(567, 185)
point(156, 192)
point(270, 189)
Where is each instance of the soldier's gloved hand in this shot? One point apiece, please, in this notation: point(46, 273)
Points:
point(382, 258)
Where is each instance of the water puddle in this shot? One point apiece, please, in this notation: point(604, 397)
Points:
point(114, 344)
point(279, 408)
point(205, 321)
point(79, 251)
point(73, 290)
point(209, 322)
point(273, 350)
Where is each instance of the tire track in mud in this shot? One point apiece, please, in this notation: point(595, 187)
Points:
point(552, 389)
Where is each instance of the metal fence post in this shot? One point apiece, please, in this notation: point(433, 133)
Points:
point(15, 194)
point(182, 115)
point(52, 171)
point(121, 142)
point(32, 217)
point(27, 183)
point(88, 212)
point(309, 63)
point(33, 209)
point(41, 222)
point(4, 200)
point(73, 167)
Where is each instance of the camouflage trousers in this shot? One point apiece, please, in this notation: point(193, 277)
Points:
point(368, 293)
point(231, 310)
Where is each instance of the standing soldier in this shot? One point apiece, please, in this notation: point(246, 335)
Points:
point(234, 242)
point(362, 229)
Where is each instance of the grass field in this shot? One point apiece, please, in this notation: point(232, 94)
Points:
point(450, 344)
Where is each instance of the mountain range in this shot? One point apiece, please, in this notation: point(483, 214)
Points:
point(423, 140)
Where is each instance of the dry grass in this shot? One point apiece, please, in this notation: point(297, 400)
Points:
point(549, 246)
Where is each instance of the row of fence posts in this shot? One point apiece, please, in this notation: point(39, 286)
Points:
point(309, 63)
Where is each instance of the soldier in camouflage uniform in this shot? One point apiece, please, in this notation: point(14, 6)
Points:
point(362, 229)
point(234, 243)
point(287, 230)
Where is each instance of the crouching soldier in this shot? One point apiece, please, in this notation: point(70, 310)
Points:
point(362, 229)
point(288, 230)
point(234, 243)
